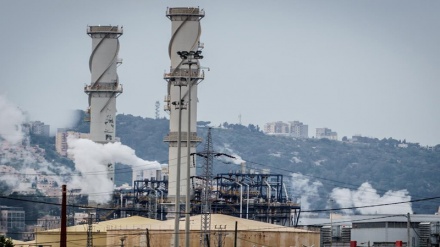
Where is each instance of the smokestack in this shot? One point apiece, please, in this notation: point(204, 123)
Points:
point(104, 86)
point(185, 33)
point(243, 167)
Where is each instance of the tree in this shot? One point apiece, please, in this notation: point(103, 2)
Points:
point(6, 242)
point(203, 123)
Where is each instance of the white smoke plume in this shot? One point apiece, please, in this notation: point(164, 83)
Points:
point(366, 195)
point(306, 189)
point(91, 160)
point(226, 149)
point(20, 163)
point(9, 176)
point(11, 119)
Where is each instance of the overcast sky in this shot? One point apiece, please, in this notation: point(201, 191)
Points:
point(357, 67)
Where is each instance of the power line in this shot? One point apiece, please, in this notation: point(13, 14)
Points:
point(305, 211)
point(351, 186)
point(369, 206)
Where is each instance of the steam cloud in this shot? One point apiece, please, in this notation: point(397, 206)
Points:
point(366, 195)
point(20, 163)
point(306, 188)
point(91, 160)
point(226, 149)
point(11, 119)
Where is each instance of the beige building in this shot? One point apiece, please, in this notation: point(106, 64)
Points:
point(12, 221)
point(293, 128)
point(276, 128)
point(61, 140)
point(326, 133)
point(133, 231)
point(298, 129)
point(39, 128)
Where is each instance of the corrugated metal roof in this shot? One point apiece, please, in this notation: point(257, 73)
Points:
point(350, 219)
point(229, 221)
point(137, 222)
point(133, 222)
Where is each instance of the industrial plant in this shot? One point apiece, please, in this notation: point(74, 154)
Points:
point(177, 192)
point(261, 197)
point(177, 195)
point(178, 205)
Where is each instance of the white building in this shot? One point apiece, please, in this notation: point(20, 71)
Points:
point(49, 222)
point(293, 128)
point(39, 128)
point(326, 133)
point(298, 129)
point(150, 174)
point(387, 229)
point(383, 230)
point(61, 140)
point(12, 220)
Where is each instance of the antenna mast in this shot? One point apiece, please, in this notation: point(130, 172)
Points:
point(157, 109)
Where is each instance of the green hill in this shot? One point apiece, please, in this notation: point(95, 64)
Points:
point(333, 164)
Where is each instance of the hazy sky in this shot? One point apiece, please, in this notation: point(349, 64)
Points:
point(357, 67)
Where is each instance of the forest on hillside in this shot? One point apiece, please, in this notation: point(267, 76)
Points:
point(333, 164)
point(319, 164)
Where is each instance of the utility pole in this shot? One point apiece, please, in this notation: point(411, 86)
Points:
point(236, 233)
point(189, 58)
point(408, 227)
point(63, 233)
point(122, 240)
point(221, 236)
point(89, 231)
point(331, 222)
point(148, 238)
point(206, 193)
point(179, 150)
point(208, 154)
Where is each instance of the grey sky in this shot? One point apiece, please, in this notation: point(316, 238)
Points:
point(357, 67)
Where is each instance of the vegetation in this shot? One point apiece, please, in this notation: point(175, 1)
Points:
point(383, 163)
point(50, 153)
point(46, 205)
point(6, 242)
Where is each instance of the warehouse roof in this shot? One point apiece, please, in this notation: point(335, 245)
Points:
point(229, 222)
point(137, 222)
point(133, 222)
point(19, 243)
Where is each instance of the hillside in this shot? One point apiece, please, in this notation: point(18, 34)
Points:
point(320, 165)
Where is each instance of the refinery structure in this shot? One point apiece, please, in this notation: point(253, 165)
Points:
point(179, 193)
point(244, 194)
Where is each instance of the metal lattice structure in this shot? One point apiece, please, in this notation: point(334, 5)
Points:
point(265, 198)
point(149, 198)
point(206, 189)
point(90, 231)
point(208, 154)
